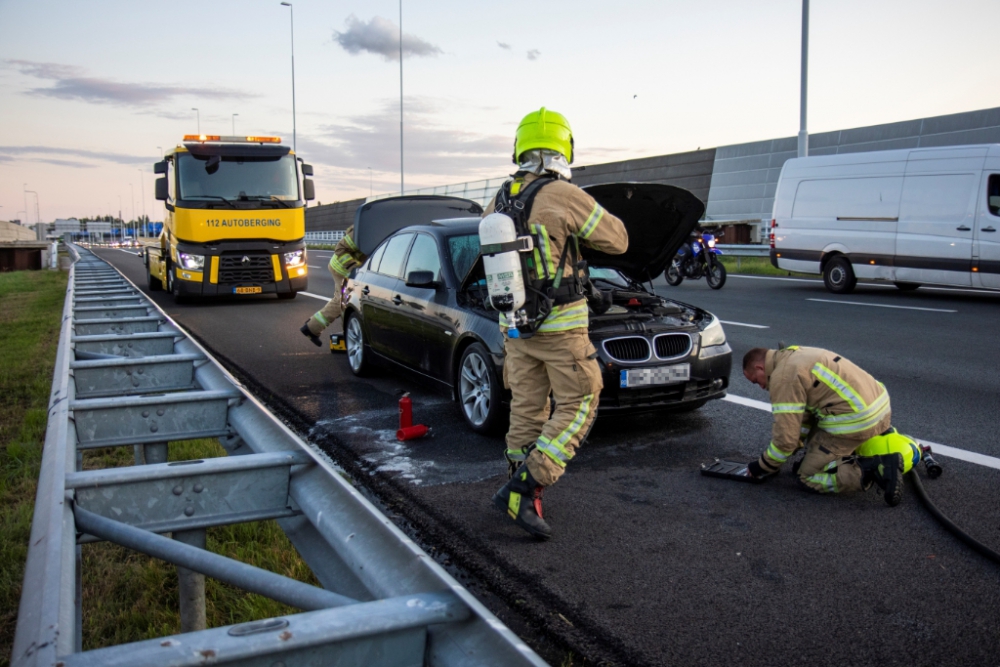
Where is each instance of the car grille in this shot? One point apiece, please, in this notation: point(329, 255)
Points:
point(669, 346)
point(628, 349)
point(257, 268)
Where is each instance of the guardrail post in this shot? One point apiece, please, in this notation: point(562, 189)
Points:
point(191, 585)
point(155, 452)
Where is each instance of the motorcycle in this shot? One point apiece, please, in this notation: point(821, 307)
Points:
point(697, 259)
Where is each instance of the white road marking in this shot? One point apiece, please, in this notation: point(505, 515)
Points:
point(943, 450)
point(882, 305)
point(743, 324)
point(789, 280)
point(313, 266)
point(315, 296)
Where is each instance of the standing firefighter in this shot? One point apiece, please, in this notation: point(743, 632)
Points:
point(345, 257)
point(547, 348)
point(839, 412)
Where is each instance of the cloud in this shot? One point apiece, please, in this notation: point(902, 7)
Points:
point(40, 153)
point(372, 140)
point(533, 54)
point(504, 46)
point(381, 37)
point(72, 83)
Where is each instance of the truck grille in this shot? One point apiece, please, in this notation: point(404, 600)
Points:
point(629, 349)
point(256, 269)
point(669, 346)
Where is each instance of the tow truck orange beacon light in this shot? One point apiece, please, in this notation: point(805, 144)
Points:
point(232, 139)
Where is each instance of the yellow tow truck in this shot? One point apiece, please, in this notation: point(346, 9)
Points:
point(235, 219)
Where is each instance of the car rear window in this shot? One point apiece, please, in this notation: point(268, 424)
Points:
point(463, 250)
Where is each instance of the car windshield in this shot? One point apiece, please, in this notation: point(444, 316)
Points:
point(202, 177)
point(609, 276)
point(463, 250)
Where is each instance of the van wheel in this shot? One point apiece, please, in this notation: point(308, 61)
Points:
point(907, 287)
point(838, 276)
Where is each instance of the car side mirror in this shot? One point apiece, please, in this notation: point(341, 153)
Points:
point(308, 189)
point(307, 169)
point(424, 279)
point(161, 189)
point(160, 167)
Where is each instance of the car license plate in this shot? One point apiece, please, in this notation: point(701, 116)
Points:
point(246, 290)
point(646, 377)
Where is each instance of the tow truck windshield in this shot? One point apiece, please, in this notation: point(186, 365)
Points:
point(231, 179)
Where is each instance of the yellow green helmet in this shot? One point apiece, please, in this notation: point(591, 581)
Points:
point(544, 129)
point(892, 443)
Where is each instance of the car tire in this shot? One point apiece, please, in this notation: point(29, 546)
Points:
point(357, 355)
point(838, 276)
point(673, 275)
point(478, 390)
point(715, 274)
point(286, 295)
point(153, 284)
point(907, 287)
point(172, 286)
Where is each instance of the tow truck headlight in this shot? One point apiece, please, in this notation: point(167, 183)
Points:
point(191, 262)
point(295, 258)
point(713, 334)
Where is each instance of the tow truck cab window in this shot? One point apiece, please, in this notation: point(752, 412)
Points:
point(993, 194)
point(204, 178)
point(395, 250)
point(424, 257)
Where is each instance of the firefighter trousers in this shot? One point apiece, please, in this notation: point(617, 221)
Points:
point(562, 364)
point(331, 311)
point(829, 465)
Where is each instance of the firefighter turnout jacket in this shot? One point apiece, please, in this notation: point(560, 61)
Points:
point(815, 388)
point(560, 211)
point(346, 254)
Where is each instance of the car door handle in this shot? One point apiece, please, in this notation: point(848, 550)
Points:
point(365, 291)
point(963, 228)
point(398, 300)
point(988, 229)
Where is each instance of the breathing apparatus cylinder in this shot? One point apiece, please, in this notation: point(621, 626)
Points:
point(502, 262)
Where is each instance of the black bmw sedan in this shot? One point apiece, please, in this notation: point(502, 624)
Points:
point(418, 303)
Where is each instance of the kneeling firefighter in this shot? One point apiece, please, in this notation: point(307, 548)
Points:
point(530, 244)
point(345, 257)
point(840, 413)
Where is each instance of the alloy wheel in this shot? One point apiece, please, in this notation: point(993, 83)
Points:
point(355, 344)
point(474, 389)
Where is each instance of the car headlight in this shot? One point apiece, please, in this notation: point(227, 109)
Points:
point(713, 334)
point(295, 258)
point(191, 262)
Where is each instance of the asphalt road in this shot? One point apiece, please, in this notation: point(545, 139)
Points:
point(651, 563)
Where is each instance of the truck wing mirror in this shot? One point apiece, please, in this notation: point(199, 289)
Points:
point(161, 188)
point(308, 189)
point(307, 169)
point(160, 167)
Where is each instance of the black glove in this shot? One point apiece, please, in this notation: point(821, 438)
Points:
point(757, 470)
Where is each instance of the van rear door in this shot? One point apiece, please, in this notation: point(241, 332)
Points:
point(937, 216)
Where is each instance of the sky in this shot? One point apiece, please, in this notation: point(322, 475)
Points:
point(90, 91)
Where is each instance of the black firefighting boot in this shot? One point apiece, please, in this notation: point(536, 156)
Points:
point(886, 471)
point(514, 463)
point(521, 498)
point(309, 334)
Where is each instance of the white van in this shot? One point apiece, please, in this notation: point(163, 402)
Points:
point(912, 217)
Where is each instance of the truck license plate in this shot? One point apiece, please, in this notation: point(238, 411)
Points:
point(246, 290)
point(645, 377)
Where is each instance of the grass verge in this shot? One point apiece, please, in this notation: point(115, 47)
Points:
point(755, 266)
point(127, 596)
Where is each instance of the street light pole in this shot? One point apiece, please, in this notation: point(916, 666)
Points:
point(161, 151)
point(38, 217)
point(121, 223)
point(198, 116)
point(26, 202)
point(291, 16)
point(803, 135)
point(401, 187)
point(234, 123)
point(142, 186)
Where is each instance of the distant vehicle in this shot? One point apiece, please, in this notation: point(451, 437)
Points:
point(235, 219)
point(910, 217)
point(695, 259)
point(417, 304)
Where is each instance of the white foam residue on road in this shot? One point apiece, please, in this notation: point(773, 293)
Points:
point(943, 450)
point(389, 455)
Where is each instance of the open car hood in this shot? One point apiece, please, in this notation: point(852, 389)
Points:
point(376, 220)
point(659, 218)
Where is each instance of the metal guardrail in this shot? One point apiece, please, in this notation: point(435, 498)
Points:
point(324, 237)
point(742, 250)
point(127, 375)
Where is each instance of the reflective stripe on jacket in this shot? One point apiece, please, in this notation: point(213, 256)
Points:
point(812, 385)
point(346, 254)
point(561, 210)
